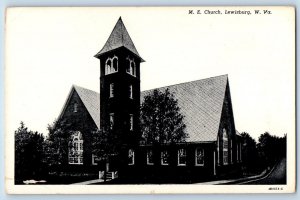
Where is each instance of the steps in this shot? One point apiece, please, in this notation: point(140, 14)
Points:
point(109, 175)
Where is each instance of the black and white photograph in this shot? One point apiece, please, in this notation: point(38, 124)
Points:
point(112, 100)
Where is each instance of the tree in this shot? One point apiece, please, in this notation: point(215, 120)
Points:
point(271, 148)
point(161, 120)
point(249, 153)
point(57, 143)
point(28, 154)
point(105, 145)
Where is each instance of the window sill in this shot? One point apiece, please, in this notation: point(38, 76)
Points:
point(75, 163)
point(150, 163)
point(131, 74)
point(110, 73)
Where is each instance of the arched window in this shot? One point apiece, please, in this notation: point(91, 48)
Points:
point(115, 64)
point(76, 148)
point(131, 68)
point(225, 147)
point(111, 65)
point(108, 65)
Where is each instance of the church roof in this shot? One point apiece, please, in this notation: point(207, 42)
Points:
point(201, 103)
point(91, 101)
point(119, 37)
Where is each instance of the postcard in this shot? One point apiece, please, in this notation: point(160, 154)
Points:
point(150, 100)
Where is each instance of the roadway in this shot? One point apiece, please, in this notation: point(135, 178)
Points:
point(276, 176)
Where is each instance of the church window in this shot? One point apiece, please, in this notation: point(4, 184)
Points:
point(108, 65)
point(111, 90)
point(130, 92)
point(199, 155)
point(231, 158)
point(237, 152)
point(240, 152)
point(131, 68)
point(131, 122)
point(94, 160)
point(181, 157)
point(164, 158)
point(75, 107)
point(150, 157)
point(225, 147)
point(218, 150)
point(76, 149)
point(115, 64)
point(111, 65)
point(111, 120)
point(130, 157)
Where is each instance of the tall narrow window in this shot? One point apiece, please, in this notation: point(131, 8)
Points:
point(75, 107)
point(111, 90)
point(225, 147)
point(76, 149)
point(218, 150)
point(199, 156)
point(130, 157)
point(164, 158)
point(231, 156)
point(131, 122)
point(108, 66)
point(94, 160)
point(111, 120)
point(150, 157)
point(130, 92)
point(115, 64)
point(181, 157)
point(240, 152)
point(131, 68)
point(237, 152)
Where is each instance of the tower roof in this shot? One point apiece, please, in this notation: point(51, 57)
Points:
point(119, 37)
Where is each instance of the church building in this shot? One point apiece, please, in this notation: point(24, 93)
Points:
point(213, 146)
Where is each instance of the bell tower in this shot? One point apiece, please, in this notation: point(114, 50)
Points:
point(120, 86)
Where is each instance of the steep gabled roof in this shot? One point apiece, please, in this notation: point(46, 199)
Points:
point(119, 37)
point(89, 98)
point(201, 103)
point(91, 101)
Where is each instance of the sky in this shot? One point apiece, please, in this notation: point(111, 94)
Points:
point(50, 49)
